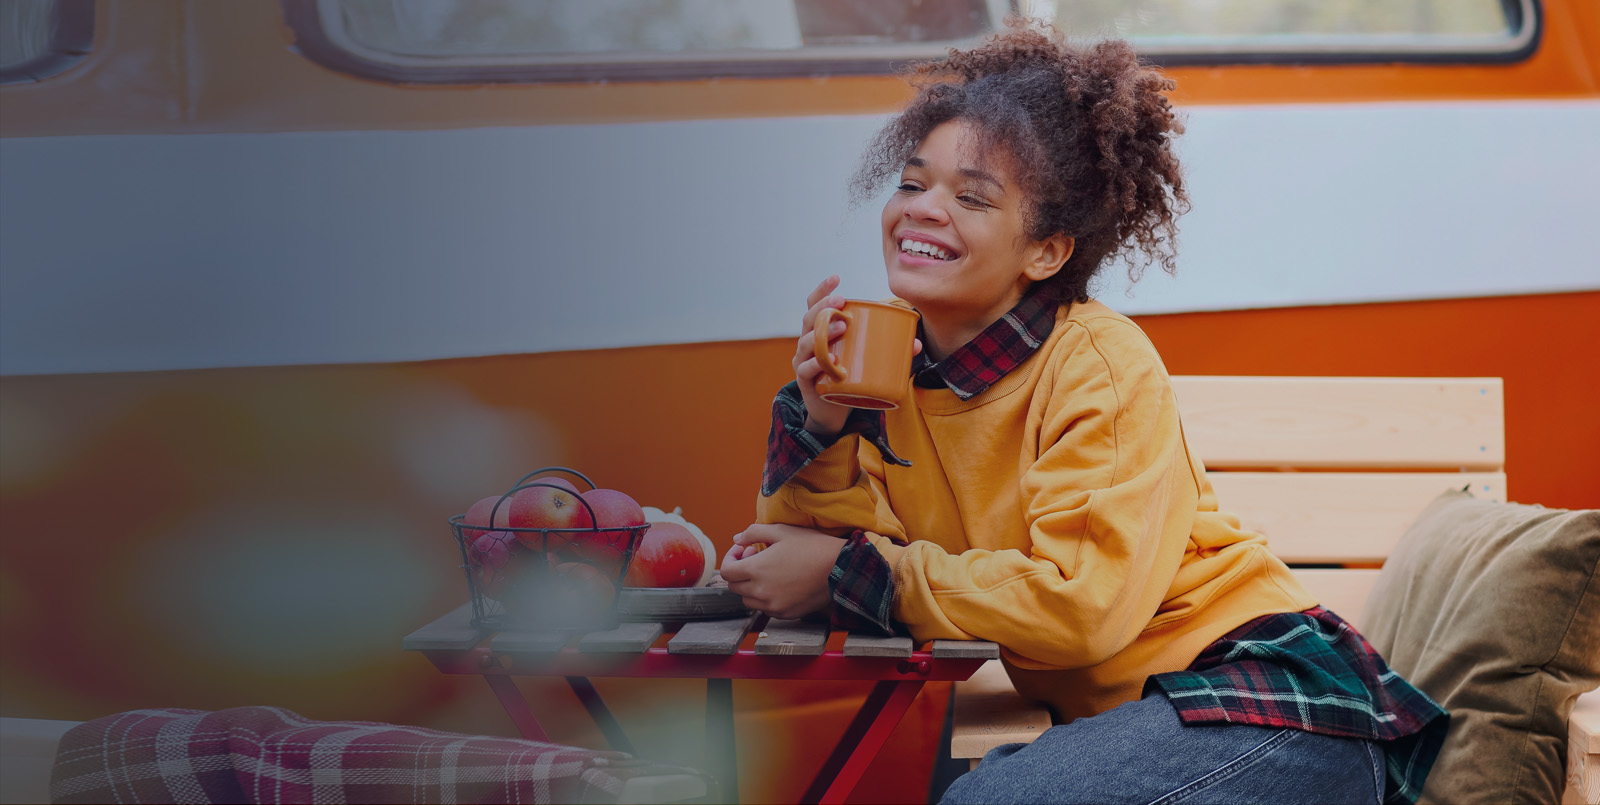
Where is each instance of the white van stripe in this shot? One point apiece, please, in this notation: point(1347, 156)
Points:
point(188, 251)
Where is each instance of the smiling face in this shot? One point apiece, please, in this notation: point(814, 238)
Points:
point(954, 236)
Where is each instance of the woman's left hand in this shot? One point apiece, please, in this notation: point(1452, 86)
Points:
point(787, 579)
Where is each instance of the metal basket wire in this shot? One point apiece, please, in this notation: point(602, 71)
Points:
point(548, 579)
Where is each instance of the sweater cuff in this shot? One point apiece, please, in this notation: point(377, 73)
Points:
point(862, 587)
point(790, 447)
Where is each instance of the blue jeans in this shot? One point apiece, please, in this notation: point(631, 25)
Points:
point(1141, 752)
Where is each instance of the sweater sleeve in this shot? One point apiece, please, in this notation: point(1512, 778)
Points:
point(839, 491)
point(823, 485)
point(790, 446)
point(1109, 503)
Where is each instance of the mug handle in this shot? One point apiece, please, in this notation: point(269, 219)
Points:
point(819, 331)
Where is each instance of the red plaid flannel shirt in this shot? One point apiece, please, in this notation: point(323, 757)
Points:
point(1312, 671)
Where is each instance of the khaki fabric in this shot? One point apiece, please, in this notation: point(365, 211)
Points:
point(1493, 609)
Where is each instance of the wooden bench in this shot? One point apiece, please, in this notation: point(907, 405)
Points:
point(1333, 471)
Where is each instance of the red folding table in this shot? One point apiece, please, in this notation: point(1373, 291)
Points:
point(718, 651)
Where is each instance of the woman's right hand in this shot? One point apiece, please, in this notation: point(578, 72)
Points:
point(822, 417)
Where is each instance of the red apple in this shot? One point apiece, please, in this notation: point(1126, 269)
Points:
point(521, 585)
point(552, 506)
point(587, 587)
point(489, 557)
point(568, 594)
point(561, 482)
point(478, 515)
point(669, 555)
point(615, 511)
point(492, 549)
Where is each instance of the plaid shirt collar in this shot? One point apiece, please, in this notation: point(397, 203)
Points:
point(1000, 348)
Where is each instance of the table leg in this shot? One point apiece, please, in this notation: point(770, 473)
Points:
point(515, 706)
point(601, 714)
point(721, 755)
point(848, 742)
point(884, 708)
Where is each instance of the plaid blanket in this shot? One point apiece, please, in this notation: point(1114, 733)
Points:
point(267, 754)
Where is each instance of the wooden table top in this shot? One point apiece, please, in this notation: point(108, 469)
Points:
point(696, 647)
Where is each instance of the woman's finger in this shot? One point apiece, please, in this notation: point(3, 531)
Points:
point(806, 347)
point(823, 289)
point(771, 533)
point(809, 370)
point(752, 597)
point(834, 301)
point(755, 535)
point(732, 567)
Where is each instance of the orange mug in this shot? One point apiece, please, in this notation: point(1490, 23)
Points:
point(874, 366)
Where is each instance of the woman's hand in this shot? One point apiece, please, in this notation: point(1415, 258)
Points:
point(788, 578)
point(822, 417)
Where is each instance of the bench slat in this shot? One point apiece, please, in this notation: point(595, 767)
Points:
point(1342, 591)
point(965, 649)
point(1340, 517)
point(1583, 750)
point(1313, 422)
point(1586, 722)
point(990, 713)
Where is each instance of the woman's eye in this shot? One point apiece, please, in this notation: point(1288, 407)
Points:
point(908, 187)
point(973, 201)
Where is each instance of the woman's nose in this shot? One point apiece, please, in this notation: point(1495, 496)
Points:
point(927, 207)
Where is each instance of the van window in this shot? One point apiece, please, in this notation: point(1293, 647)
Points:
point(488, 41)
point(1305, 30)
point(479, 41)
point(41, 38)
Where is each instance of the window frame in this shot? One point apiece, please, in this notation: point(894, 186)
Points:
point(321, 38)
point(71, 41)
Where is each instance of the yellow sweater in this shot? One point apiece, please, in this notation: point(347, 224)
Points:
point(1059, 514)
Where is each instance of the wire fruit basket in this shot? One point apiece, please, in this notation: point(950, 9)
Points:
point(544, 578)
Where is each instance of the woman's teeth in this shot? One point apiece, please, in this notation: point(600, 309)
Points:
point(918, 247)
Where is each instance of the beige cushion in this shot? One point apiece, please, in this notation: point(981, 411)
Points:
point(1493, 609)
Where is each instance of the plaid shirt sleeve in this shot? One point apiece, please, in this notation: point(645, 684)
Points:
point(790, 447)
point(862, 586)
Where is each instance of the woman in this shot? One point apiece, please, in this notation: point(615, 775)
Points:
point(1036, 489)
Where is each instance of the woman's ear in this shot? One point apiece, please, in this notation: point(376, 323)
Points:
point(1048, 257)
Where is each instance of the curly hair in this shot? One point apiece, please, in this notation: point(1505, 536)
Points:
point(1088, 130)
